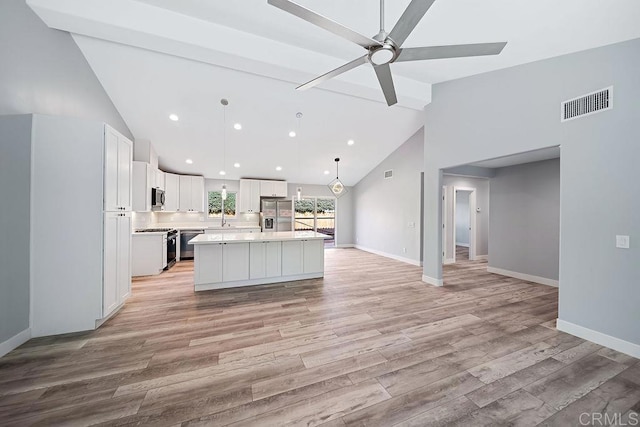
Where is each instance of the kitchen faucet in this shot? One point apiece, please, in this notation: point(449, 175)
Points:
point(223, 222)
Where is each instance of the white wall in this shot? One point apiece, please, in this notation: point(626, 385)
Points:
point(43, 71)
point(462, 218)
point(516, 110)
point(387, 211)
point(524, 229)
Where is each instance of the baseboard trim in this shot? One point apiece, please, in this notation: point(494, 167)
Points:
point(464, 245)
point(387, 255)
point(523, 276)
point(432, 281)
point(345, 245)
point(449, 261)
point(481, 257)
point(15, 341)
point(599, 338)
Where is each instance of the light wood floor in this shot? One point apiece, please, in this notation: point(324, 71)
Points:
point(369, 344)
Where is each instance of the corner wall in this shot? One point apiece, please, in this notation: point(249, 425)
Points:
point(516, 110)
point(43, 71)
point(387, 211)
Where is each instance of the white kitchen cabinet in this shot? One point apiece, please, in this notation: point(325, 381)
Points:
point(211, 270)
point(191, 194)
point(313, 256)
point(117, 260)
point(273, 261)
point(273, 188)
point(235, 262)
point(249, 196)
point(265, 259)
point(148, 254)
point(141, 186)
point(159, 181)
point(117, 171)
point(292, 258)
point(171, 192)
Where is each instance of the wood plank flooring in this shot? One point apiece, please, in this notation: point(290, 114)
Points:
point(369, 344)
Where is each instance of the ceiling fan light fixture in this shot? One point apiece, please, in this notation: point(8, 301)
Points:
point(382, 55)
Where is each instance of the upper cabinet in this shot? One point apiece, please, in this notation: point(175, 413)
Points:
point(249, 196)
point(171, 192)
point(273, 188)
point(118, 158)
point(159, 183)
point(191, 197)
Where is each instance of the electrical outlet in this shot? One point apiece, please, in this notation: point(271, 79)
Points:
point(622, 242)
point(412, 224)
point(404, 250)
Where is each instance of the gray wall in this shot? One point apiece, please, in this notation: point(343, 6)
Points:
point(344, 208)
point(516, 110)
point(15, 181)
point(524, 228)
point(462, 217)
point(43, 71)
point(384, 208)
point(482, 201)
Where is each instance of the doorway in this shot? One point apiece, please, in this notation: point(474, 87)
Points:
point(458, 224)
point(316, 214)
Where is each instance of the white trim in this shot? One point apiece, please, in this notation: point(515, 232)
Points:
point(523, 276)
point(432, 281)
point(449, 261)
point(15, 341)
point(344, 245)
point(464, 245)
point(481, 257)
point(388, 255)
point(263, 281)
point(599, 338)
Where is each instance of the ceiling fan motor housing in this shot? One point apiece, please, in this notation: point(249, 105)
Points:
point(385, 54)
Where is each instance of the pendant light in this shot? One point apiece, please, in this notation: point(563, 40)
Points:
point(223, 193)
point(336, 186)
point(299, 189)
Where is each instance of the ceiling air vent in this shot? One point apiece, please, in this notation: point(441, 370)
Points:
point(388, 174)
point(586, 105)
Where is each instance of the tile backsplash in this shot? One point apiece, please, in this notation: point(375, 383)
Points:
point(143, 219)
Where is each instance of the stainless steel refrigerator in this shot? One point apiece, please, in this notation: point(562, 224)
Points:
point(276, 215)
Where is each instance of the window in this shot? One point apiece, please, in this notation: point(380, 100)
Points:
point(316, 214)
point(215, 204)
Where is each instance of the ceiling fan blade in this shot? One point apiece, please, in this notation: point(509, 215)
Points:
point(346, 67)
point(409, 19)
point(386, 83)
point(324, 23)
point(453, 51)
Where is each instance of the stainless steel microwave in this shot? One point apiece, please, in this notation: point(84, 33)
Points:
point(157, 198)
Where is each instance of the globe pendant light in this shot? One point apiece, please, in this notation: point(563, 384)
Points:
point(336, 186)
point(223, 193)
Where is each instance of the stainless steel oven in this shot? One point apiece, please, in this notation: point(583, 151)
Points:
point(172, 248)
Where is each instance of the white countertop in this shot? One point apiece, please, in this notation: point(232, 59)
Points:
point(203, 226)
point(270, 236)
point(150, 233)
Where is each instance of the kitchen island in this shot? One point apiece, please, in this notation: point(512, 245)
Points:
point(244, 259)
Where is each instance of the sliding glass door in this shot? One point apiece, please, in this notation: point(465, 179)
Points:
point(317, 214)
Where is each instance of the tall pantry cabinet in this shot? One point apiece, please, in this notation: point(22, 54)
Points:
point(80, 223)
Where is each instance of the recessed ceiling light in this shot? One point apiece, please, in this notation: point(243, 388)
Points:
point(236, 165)
point(189, 161)
point(237, 126)
point(350, 142)
point(222, 173)
point(326, 172)
point(292, 134)
point(174, 117)
point(278, 168)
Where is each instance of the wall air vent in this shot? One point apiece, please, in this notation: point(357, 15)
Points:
point(388, 174)
point(586, 105)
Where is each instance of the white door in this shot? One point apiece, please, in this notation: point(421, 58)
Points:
point(160, 180)
point(235, 261)
point(171, 195)
point(197, 193)
point(125, 157)
point(273, 259)
point(124, 257)
point(110, 263)
point(267, 189)
point(254, 202)
point(244, 196)
point(257, 260)
point(208, 259)
point(185, 194)
point(280, 188)
point(313, 258)
point(110, 169)
point(292, 262)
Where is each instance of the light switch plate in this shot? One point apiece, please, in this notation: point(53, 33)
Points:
point(622, 242)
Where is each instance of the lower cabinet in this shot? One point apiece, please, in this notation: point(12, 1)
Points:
point(222, 262)
point(148, 254)
point(235, 261)
point(208, 258)
point(265, 260)
point(302, 257)
point(117, 260)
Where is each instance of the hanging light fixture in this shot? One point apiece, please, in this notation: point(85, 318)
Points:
point(336, 186)
point(223, 193)
point(299, 189)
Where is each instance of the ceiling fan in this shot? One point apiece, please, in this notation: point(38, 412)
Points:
point(385, 48)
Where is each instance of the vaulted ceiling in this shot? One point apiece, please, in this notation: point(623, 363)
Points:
point(161, 57)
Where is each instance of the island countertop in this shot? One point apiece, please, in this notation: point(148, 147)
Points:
point(269, 236)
